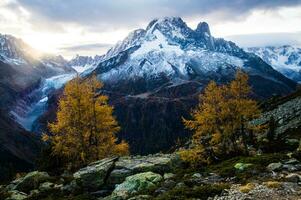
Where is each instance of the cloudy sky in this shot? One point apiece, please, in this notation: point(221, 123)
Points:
point(89, 27)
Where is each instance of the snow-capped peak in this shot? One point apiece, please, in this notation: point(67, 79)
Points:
point(286, 59)
point(133, 39)
point(168, 51)
point(174, 28)
point(170, 47)
point(14, 50)
point(83, 63)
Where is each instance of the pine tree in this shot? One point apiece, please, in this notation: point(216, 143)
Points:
point(221, 122)
point(85, 128)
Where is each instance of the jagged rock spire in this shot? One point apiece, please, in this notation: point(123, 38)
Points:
point(203, 28)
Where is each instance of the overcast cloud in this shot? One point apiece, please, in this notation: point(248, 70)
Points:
point(107, 14)
point(88, 25)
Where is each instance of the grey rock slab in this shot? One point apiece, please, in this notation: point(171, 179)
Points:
point(93, 176)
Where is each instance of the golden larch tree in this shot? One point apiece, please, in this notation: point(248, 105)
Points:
point(221, 120)
point(85, 128)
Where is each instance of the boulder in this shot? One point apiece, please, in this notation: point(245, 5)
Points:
point(295, 178)
point(138, 183)
point(16, 195)
point(29, 182)
point(274, 167)
point(291, 168)
point(168, 176)
point(34, 193)
point(196, 176)
point(93, 176)
point(158, 163)
point(70, 188)
point(47, 186)
point(292, 161)
point(169, 184)
point(293, 143)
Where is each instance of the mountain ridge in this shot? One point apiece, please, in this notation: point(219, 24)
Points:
point(285, 59)
point(168, 46)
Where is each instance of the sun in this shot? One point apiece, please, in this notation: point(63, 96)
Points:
point(43, 42)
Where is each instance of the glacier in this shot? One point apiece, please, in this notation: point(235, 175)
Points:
point(26, 114)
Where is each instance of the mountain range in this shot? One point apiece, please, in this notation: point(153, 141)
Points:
point(153, 78)
point(285, 59)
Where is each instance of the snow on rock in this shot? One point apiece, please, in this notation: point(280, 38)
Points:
point(167, 46)
point(285, 59)
point(83, 63)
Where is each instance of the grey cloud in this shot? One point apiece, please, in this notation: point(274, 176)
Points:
point(86, 47)
point(266, 39)
point(110, 14)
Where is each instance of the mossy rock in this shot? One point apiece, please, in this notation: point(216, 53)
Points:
point(242, 166)
point(16, 195)
point(29, 182)
point(93, 176)
point(137, 184)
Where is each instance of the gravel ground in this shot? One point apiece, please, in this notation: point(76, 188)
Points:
point(287, 191)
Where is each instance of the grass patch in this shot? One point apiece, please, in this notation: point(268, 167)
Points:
point(79, 197)
point(247, 188)
point(259, 164)
point(199, 192)
point(272, 184)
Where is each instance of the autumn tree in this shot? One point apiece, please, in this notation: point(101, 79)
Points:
point(85, 128)
point(221, 120)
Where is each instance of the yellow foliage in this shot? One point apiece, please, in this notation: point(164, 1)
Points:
point(85, 128)
point(222, 117)
point(247, 188)
point(272, 184)
point(194, 156)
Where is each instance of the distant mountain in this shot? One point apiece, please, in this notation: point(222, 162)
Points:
point(154, 76)
point(83, 63)
point(285, 59)
point(22, 66)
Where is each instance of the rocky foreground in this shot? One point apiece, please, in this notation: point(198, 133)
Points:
point(163, 176)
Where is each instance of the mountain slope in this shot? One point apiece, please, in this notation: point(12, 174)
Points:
point(22, 67)
point(22, 71)
point(285, 59)
point(18, 148)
